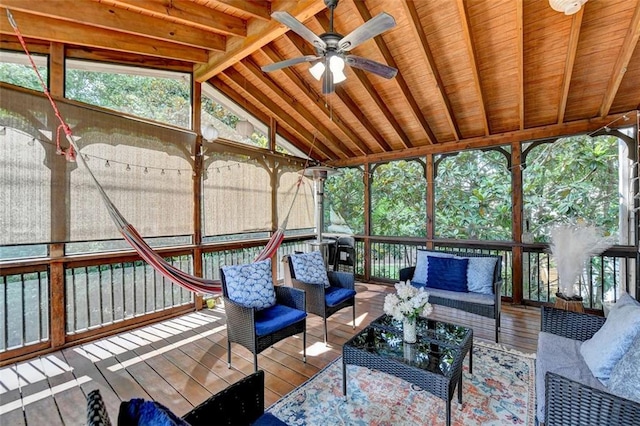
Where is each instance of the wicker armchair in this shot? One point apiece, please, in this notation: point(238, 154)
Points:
point(319, 301)
point(569, 402)
point(241, 322)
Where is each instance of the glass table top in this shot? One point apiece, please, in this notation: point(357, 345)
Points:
point(449, 335)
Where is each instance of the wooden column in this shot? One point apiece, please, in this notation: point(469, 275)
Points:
point(367, 221)
point(273, 131)
point(196, 123)
point(59, 205)
point(516, 220)
point(430, 176)
point(274, 172)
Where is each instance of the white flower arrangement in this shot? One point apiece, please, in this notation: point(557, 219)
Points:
point(408, 302)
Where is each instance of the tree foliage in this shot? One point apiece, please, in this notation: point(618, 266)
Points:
point(344, 195)
point(22, 75)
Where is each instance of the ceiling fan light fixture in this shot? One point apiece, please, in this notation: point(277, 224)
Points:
point(568, 7)
point(336, 64)
point(338, 77)
point(317, 70)
point(244, 128)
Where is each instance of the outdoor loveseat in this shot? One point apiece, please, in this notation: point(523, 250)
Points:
point(471, 282)
point(567, 391)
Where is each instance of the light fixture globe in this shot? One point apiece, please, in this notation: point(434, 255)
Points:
point(209, 133)
point(244, 128)
point(568, 7)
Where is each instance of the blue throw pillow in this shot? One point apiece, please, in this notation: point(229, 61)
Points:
point(607, 346)
point(147, 413)
point(480, 274)
point(625, 376)
point(422, 264)
point(309, 268)
point(447, 274)
point(251, 285)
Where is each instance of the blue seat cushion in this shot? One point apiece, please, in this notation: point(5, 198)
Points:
point(268, 419)
point(276, 318)
point(335, 295)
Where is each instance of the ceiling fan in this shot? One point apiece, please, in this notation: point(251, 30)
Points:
point(331, 48)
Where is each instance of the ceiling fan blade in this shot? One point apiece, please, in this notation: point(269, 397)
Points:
point(374, 26)
point(298, 27)
point(372, 66)
point(288, 63)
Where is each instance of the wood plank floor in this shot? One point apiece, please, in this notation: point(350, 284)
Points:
point(182, 361)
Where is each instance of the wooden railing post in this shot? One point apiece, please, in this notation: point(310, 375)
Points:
point(431, 197)
point(367, 221)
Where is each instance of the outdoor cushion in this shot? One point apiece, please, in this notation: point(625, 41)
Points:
point(479, 298)
point(422, 264)
point(447, 273)
point(607, 346)
point(625, 376)
point(335, 295)
point(480, 274)
point(251, 285)
point(626, 299)
point(310, 268)
point(147, 413)
point(276, 318)
point(560, 355)
point(268, 419)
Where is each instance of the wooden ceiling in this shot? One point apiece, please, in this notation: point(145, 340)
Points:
point(472, 73)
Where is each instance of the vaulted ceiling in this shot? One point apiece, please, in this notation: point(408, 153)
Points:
point(472, 73)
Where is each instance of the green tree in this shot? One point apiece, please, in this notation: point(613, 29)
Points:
point(344, 194)
point(22, 75)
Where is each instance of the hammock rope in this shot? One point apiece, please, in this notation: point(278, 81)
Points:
point(128, 231)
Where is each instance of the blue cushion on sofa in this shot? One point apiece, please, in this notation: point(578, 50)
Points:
point(422, 264)
point(447, 273)
point(251, 285)
point(147, 413)
point(276, 318)
point(310, 268)
point(480, 274)
point(335, 295)
point(625, 376)
point(607, 346)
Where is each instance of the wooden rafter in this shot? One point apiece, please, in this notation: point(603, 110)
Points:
point(41, 27)
point(427, 56)
point(373, 93)
point(249, 66)
point(122, 20)
point(520, 30)
point(257, 9)
point(186, 12)
point(304, 48)
point(572, 49)
point(250, 90)
point(259, 33)
point(466, 32)
point(313, 97)
point(626, 52)
point(555, 130)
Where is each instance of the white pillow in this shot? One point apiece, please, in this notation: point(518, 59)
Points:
point(480, 274)
point(603, 351)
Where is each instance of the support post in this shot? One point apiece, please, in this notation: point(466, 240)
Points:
point(516, 220)
point(196, 124)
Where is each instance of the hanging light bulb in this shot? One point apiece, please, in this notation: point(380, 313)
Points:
point(3, 130)
point(106, 164)
point(569, 7)
point(317, 70)
point(146, 170)
point(128, 168)
point(32, 142)
point(179, 174)
point(336, 65)
point(162, 172)
point(244, 128)
point(209, 133)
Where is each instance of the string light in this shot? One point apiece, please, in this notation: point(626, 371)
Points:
point(128, 168)
point(32, 142)
point(162, 172)
point(106, 164)
point(146, 171)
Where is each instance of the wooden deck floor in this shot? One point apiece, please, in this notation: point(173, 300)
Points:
point(182, 361)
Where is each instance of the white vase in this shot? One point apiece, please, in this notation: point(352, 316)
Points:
point(409, 330)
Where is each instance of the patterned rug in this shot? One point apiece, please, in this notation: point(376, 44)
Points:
point(501, 391)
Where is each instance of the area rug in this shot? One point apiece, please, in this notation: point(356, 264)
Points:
point(501, 391)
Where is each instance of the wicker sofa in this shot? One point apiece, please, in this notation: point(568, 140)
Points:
point(486, 305)
point(566, 394)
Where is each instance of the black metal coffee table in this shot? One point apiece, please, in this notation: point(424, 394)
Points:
point(434, 362)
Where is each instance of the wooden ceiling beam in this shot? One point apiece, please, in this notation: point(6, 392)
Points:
point(572, 49)
point(471, 49)
point(117, 19)
point(534, 133)
point(259, 33)
point(257, 9)
point(186, 12)
point(54, 30)
point(248, 65)
point(520, 30)
point(304, 48)
point(427, 56)
point(323, 21)
point(317, 100)
point(283, 116)
point(626, 52)
point(229, 92)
